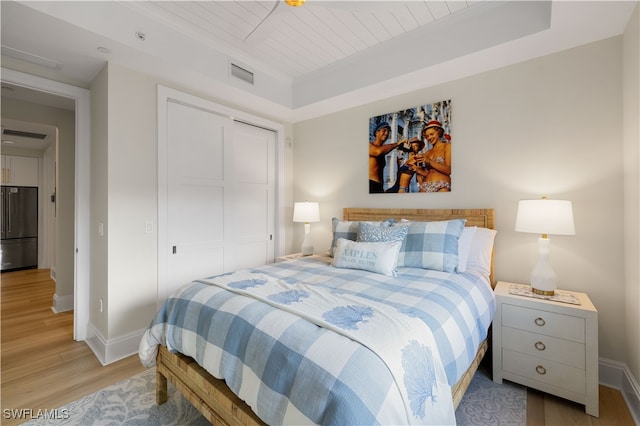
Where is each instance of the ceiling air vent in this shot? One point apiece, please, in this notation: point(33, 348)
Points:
point(20, 133)
point(241, 73)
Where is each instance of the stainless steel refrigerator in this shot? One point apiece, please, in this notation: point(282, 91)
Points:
point(19, 209)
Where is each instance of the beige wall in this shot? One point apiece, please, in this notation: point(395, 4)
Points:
point(98, 286)
point(132, 194)
point(64, 120)
point(123, 200)
point(631, 126)
point(550, 126)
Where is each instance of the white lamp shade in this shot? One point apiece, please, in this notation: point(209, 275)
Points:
point(545, 216)
point(306, 212)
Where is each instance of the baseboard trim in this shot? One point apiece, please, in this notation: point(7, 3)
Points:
point(617, 375)
point(111, 350)
point(62, 303)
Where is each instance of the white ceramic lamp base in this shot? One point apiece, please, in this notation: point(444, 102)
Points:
point(307, 248)
point(543, 278)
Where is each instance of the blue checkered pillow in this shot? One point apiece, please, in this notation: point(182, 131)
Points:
point(348, 230)
point(431, 245)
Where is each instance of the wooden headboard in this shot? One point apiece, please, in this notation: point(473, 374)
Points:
point(484, 218)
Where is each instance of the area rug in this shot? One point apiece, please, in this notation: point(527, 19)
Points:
point(132, 402)
point(488, 403)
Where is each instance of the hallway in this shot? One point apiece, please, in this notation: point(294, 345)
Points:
point(42, 366)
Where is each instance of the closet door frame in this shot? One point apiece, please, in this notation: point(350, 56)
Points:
point(166, 95)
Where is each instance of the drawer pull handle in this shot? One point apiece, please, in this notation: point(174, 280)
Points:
point(540, 346)
point(541, 370)
point(539, 321)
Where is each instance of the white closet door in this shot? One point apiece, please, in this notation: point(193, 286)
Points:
point(251, 200)
point(195, 193)
point(220, 196)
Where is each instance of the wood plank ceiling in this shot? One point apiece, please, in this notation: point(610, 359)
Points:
point(298, 40)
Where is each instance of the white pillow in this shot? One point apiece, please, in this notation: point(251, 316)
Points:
point(464, 247)
point(379, 257)
point(481, 249)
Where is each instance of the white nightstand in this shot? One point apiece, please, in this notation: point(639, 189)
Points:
point(288, 257)
point(299, 256)
point(547, 345)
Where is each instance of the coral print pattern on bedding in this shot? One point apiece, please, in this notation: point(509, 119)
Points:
point(257, 333)
point(392, 334)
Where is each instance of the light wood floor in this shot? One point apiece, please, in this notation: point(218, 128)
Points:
point(44, 368)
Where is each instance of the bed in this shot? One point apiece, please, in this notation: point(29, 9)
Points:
point(363, 380)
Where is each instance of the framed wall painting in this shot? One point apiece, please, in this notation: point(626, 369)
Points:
point(410, 150)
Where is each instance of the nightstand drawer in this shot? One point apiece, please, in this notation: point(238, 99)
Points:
point(548, 372)
point(543, 322)
point(551, 348)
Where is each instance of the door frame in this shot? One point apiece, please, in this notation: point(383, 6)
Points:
point(82, 250)
point(167, 94)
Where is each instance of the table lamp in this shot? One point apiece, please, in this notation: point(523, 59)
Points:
point(306, 212)
point(544, 216)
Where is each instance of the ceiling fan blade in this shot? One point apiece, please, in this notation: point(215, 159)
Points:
point(353, 6)
point(274, 18)
point(265, 27)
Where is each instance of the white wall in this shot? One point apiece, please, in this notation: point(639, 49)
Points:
point(288, 198)
point(550, 126)
point(631, 126)
point(99, 202)
point(132, 188)
point(123, 200)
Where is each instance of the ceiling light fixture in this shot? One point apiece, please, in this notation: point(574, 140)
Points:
point(294, 3)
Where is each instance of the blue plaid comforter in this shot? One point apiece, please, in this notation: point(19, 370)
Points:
point(294, 367)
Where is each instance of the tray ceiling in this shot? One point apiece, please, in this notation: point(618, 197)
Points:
point(304, 61)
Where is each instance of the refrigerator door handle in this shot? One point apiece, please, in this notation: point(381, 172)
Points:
point(8, 211)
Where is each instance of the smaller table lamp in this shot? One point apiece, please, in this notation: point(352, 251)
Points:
point(544, 216)
point(306, 212)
